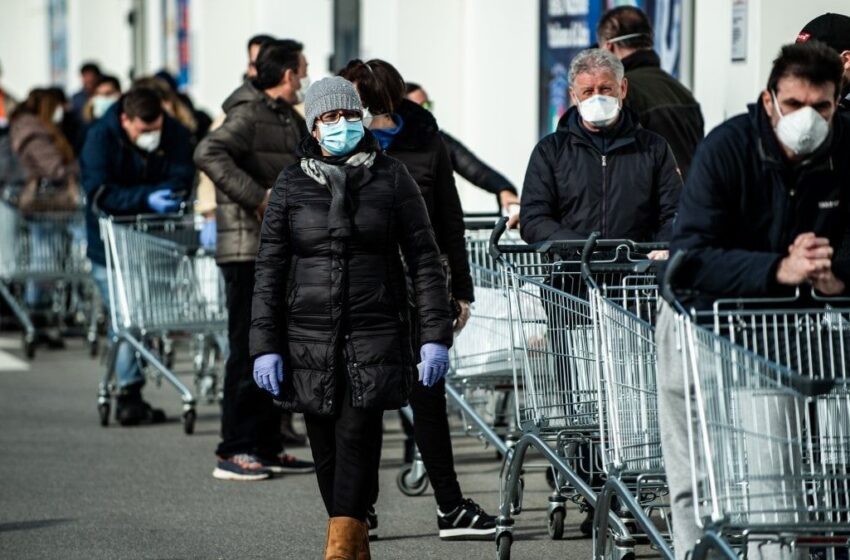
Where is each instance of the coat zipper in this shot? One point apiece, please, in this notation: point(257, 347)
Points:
point(604, 195)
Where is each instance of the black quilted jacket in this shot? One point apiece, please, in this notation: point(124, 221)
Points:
point(336, 307)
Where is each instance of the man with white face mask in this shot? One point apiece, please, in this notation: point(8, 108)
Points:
point(600, 171)
point(763, 213)
point(135, 160)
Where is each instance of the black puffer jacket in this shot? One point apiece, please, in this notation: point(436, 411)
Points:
point(420, 147)
point(664, 106)
point(243, 157)
point(331, 306)
point(624, 185)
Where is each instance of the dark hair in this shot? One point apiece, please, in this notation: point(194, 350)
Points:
point(260, 39)
point(168, 78)
point(58, 93)
point(112, 80)
point(276, 57)
point(90, 67)
point(410, 87)
point(379, 84)
point(143, 103)
point(625, 20)
point(812, 61)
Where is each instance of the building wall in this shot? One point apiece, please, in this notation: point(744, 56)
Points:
point(478, 59)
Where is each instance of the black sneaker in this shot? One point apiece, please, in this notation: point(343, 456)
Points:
point(132, 410)
point(242, 466)
point(586, 526)
point(287, 464)
point(372, 522)
point(466, 522)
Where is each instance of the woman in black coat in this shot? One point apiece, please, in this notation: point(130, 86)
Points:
point(330, 321)
point(410, 134)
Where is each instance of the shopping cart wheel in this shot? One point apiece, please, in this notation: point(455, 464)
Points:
point(408, 484)
point(619, 551)
point(103, 412)
point(556, 524)
point(503, 546)
point(189, 418)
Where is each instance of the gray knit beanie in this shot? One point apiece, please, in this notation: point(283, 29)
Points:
point(330, 94)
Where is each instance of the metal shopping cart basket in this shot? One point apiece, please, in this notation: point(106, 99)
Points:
point(44, 254)
point(480, 384)
point(769, 413)
point(160, 281)
point(559, 399)
point(630, 442)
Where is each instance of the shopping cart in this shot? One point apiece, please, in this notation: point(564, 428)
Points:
point(769, 414)
point(560, 401)
point(43, 258)
point(630, 441)
point(481, 380)
point(160, 282)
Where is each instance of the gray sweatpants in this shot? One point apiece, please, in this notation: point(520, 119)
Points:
point(764, 414)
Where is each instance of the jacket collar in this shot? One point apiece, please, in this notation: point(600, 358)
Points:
point(646, 58)
point(419, 126)
point(621, 135)
point(247, 93)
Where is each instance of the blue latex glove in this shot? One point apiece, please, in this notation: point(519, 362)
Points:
point(434, 364)
point(208, 235)
point(162, 201)
point(268, 373)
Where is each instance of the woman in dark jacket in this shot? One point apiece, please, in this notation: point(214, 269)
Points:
point(330, 321)
point(410, 134)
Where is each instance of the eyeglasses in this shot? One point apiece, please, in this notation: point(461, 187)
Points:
point(332, 117)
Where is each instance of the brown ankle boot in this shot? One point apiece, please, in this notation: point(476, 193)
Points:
point(348, 539)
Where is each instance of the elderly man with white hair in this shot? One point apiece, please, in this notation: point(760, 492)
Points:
point(600, 171)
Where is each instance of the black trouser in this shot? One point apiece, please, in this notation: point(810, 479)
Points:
point(250, 422)
point(434, 440)
point(346, 449)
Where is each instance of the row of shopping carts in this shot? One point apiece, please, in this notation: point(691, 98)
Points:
point(566, 331)
point(44, 273)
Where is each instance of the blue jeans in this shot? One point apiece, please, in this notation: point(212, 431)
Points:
point(126, 366)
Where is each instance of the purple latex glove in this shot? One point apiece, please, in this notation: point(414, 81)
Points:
point(208, 235)
point(434, 364)
point(268, 373)
point(162, 201)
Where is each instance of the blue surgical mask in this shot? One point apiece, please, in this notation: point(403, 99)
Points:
point(342, 137)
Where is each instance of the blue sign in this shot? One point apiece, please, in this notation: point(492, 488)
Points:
point(569, 26)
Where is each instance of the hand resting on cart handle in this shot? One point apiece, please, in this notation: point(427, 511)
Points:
point(163, 201)
point(268, 373)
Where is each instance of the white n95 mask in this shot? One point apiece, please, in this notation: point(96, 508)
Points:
point(802, 131)
point(600, 110)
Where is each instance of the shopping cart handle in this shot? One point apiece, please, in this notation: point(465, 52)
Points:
point(806, 386)
point(667, 291)
point(587, 251)
point(498, 231)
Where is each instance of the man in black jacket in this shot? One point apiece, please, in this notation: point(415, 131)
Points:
point(834, 30)
point(243, 157)
point(662, 104)
point(763, 212)
point(136, 160)
point(600, 171)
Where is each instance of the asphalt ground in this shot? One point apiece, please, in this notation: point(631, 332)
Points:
point(72, 489)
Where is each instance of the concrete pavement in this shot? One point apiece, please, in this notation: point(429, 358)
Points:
point(70, 489)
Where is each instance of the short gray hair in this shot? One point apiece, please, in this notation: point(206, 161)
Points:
point(591, 60)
